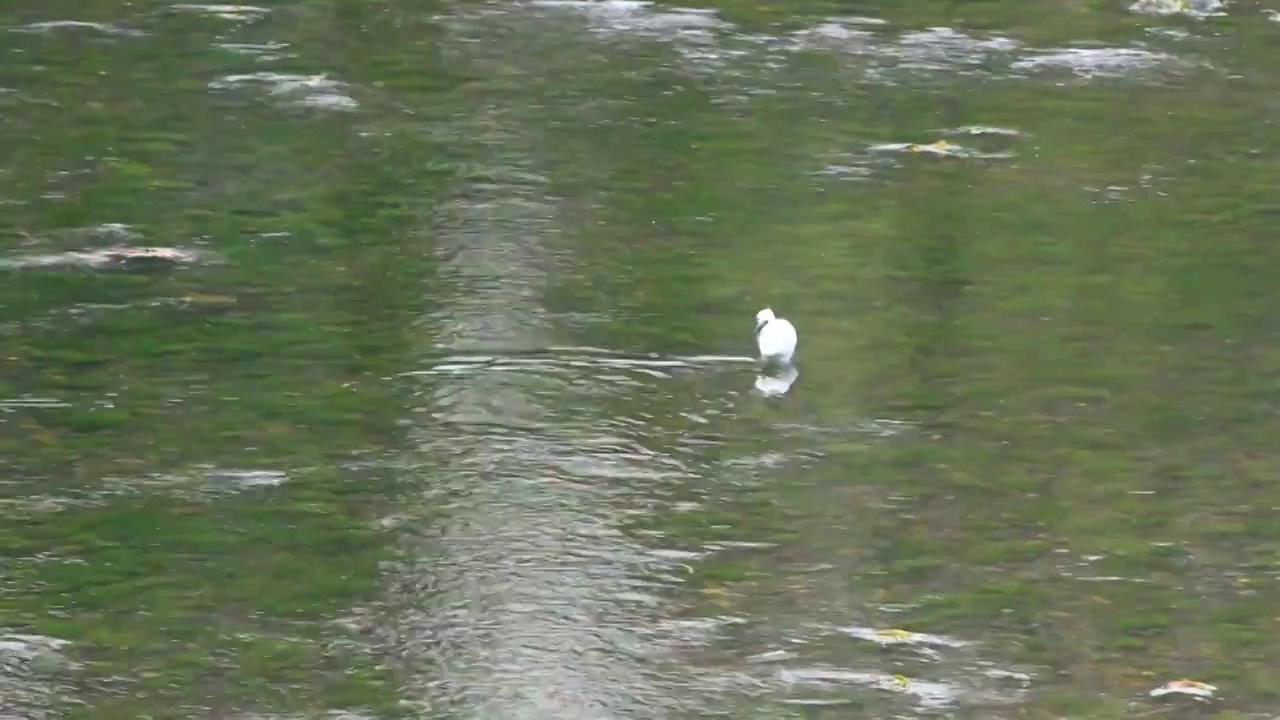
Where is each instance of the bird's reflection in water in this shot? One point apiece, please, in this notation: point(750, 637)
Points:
point(776, 381)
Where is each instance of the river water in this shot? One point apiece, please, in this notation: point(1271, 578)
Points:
point(394, 359)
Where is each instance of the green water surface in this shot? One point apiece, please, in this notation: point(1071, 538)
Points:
point(382, 359)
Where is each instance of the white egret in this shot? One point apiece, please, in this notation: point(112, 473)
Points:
point(775, 336)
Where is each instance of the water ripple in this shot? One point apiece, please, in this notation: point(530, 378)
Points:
point(117, 257)
point(317, 91)
point(712, 46)
point(34, 676)
point(238, 13)
point(55, 25)
point(1089, 62)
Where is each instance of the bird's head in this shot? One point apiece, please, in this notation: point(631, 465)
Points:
point(762, 317)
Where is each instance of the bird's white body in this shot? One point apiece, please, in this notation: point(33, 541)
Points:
point(775, 336)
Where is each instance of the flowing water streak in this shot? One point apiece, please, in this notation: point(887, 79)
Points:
point(517, 594)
